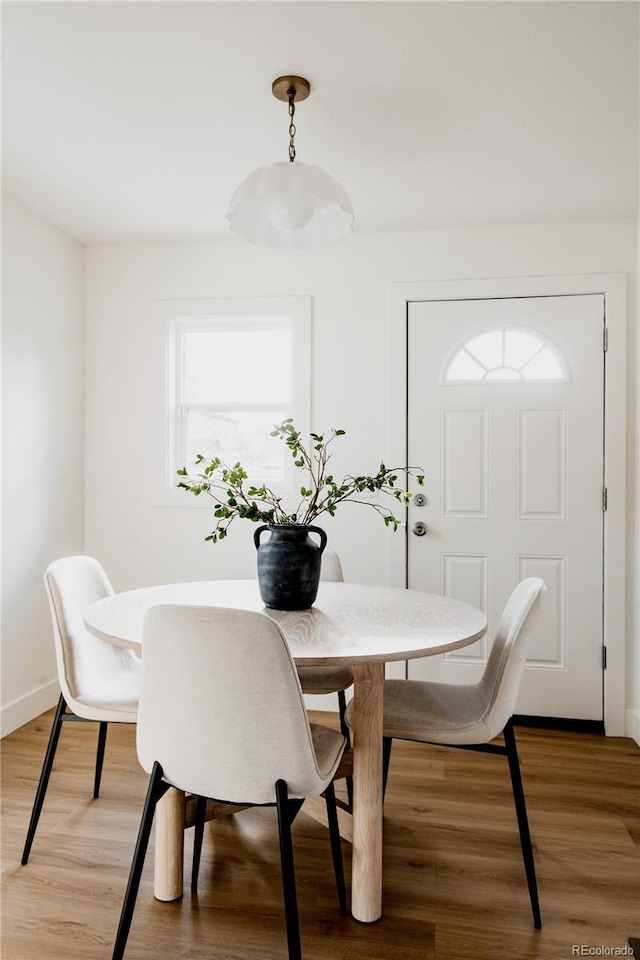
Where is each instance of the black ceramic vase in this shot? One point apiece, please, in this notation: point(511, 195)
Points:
point(289, 565)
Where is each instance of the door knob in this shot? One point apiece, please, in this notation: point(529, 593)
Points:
point(420, 529)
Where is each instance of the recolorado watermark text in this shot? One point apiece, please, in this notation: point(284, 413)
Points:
point(583, 950)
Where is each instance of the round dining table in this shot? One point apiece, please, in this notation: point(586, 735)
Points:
point(365, 626)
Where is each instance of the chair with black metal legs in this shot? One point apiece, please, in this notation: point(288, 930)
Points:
point(336, 679)
point(99, 682)
point(323, 680)
point(470, 716)
point(209, 726)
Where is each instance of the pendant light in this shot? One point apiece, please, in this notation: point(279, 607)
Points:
point(291, 205)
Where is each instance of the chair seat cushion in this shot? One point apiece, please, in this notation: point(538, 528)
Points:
point(328, 745)
point(325, 679)
point(114, 698)
point(434, 712)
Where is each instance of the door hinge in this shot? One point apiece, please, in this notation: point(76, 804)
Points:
point(605, 498)
point(604, 658)
point(605, 339)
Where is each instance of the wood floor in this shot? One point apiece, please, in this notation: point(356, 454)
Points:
point(454, 885)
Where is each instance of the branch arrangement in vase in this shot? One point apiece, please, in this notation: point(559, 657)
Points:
point(320, 493)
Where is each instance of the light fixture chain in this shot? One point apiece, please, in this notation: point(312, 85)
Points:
point(292, 127)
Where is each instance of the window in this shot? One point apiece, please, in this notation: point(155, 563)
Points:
point(505, 355)
point(235, 368)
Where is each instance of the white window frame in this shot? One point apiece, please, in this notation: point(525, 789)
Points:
point(176, 317)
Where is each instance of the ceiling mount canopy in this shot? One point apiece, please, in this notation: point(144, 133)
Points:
point(296, 88)
point(291, 205)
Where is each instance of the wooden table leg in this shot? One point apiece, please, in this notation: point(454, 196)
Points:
point(366, 878)
point(169, 849)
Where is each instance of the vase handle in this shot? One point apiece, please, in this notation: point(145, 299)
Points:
point(321, 534)
point(256, 534)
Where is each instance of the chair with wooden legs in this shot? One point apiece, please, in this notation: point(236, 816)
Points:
point(215, 729)
point(470, 716)
point(99, 682)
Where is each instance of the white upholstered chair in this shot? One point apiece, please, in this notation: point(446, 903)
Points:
point(98, 681)
point(472, 715)
point(222, 716)
point(337, 679)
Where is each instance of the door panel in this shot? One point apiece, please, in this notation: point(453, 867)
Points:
point(514, 467)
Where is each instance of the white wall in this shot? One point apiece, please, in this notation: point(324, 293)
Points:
point(42, 445)
point(140, 543)
point(633, 663)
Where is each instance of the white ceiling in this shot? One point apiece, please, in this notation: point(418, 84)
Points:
point(137, 120)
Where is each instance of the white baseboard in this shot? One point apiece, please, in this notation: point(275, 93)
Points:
point(633, 725)
point(26, 708)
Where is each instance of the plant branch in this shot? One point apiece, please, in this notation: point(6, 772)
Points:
point(225, 485)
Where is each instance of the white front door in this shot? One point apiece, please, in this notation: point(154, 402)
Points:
point(505, 415)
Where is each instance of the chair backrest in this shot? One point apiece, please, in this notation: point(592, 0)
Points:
point(84, 661)
point(500, 682)
point(331, 569)
point(221, 708)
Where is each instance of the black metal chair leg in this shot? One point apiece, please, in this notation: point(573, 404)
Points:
point(102, 739)
point(523, 822)
point(387, 743)
point(344, 726)
point(201, 811)
point(344, 729)
point(336, 848)
point(288, 873)
point(349, 782)
point(44, 777)
point(155, 791)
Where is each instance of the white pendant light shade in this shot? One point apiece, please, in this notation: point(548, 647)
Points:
point(290, 206)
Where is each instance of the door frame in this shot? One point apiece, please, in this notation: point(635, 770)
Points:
point(613, 286)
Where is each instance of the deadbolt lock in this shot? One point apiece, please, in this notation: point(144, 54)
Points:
point(419, 500)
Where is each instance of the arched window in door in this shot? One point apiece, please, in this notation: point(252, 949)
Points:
point(506, 355)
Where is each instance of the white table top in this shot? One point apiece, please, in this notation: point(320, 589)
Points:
point(348, 623)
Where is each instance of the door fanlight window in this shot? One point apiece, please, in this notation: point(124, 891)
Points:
point(506, 355)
